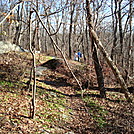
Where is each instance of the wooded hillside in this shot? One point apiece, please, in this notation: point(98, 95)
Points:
point(66, 66)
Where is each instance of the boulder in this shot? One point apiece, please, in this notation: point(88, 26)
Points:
point(53, 63)
point(6, 46)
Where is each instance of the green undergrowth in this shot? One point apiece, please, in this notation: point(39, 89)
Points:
point(9, 86)
point(97, 112)
point(6, 83)
point(55, 106)
point(50, 107)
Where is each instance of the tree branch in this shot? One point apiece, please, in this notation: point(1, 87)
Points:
point(78, 82)
point(11, 11)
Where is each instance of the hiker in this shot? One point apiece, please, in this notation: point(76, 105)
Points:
point(75, 56)
point(79, 55)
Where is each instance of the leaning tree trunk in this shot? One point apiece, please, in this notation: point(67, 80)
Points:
point(105, 54)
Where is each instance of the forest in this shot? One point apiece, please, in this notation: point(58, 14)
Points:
point(67, 66)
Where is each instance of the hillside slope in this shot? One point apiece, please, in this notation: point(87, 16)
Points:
point(59, 106)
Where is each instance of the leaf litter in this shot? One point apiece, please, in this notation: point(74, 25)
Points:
point(59, 106)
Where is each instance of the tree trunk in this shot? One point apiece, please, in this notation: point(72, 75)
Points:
point(98, 70)
point(115, 23)
point(37, 25)
point(120, 33)
point(17, 34)
point(130, 46)
point(105, 54)
point(87, 47)
point(33, 68)
point(70, 29)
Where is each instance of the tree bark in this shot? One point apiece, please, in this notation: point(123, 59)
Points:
point(120, 33)
point(115, 23)
point(130, 46)
point(33, 68)
point(98, 70)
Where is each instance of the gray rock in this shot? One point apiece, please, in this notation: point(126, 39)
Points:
point(7, 47)
point(53, 94)
point(39, 70)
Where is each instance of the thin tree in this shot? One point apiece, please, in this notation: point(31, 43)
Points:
point(70, 28)
point(120, 32)
point(32, 50)
point(115, 25)
point(130, 63)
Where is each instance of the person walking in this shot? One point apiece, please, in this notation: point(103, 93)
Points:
point(75, 56)
point(79, 55)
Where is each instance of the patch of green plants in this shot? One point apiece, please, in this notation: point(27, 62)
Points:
point(54, 110)
point(49, 115)
point(97, 112)
point(43, 85)
point(11, 86)
point(6, 83)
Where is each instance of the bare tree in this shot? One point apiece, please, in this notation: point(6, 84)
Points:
point(105, 54)
point(120, 31)
point(130, 63)
point(98, 68)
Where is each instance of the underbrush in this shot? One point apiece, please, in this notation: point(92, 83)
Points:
point(51, 110)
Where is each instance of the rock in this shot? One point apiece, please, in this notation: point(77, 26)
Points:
point(7, 47)
point(53, 63)
point(39, 70)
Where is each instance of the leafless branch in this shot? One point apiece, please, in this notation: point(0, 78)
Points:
point(78, 82)
point(11, 11)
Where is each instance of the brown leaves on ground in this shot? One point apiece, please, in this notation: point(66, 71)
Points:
point(59, 106)
point(13, 66)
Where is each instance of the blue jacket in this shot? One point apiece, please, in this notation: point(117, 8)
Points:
point(79, 54)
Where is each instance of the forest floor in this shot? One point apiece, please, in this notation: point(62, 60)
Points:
point(60, 109)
